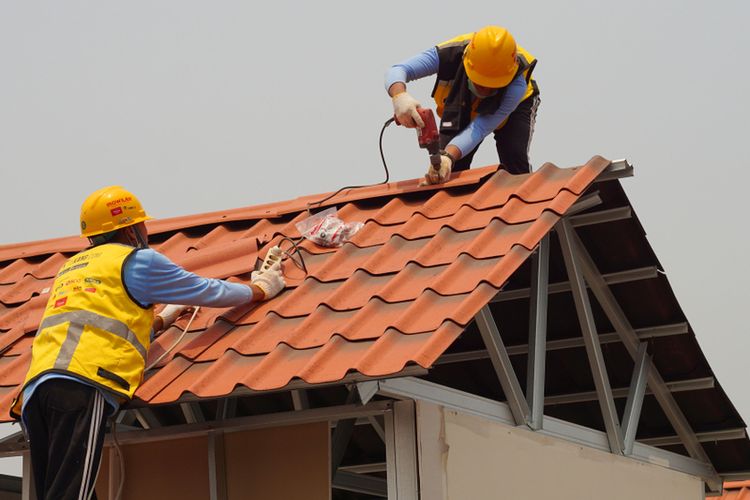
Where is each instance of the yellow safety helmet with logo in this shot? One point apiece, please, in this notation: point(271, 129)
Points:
point(108, 209)
point(490, 57)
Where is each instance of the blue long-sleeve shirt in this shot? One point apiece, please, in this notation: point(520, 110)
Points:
point(151, 278)
point(426, 64)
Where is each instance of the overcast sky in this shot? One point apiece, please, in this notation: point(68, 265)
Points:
point(201, 106)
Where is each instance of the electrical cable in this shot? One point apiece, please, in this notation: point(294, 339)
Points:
point(295, 241)
point(301, 265)
point(121, 459)
point(385, 166)
point(179, 339)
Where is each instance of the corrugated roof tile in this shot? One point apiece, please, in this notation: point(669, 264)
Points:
point(399, 293)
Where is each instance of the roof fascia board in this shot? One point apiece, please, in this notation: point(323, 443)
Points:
point(408, 371)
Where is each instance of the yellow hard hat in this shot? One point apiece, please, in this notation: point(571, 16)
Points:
point(110, 208)
point(490, 57)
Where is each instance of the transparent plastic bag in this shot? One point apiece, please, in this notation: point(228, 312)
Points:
point(326, 229)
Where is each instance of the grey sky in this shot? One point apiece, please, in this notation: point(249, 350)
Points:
point(200, 106)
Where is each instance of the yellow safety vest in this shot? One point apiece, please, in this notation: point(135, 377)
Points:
point(451, 73)
point(92, 328)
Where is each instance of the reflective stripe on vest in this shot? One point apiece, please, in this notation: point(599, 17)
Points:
point(92, 329)
point(78, 321)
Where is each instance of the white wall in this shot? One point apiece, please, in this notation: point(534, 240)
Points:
point(463, 456)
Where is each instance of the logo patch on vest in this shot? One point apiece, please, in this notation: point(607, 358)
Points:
point(60, 302)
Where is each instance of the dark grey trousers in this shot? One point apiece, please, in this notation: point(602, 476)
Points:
point(512, 141)
point(65, 424)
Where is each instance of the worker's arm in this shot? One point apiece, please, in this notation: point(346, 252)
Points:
point(404, 105)
point(424, 64)
point(151, 278)
point(483, 125)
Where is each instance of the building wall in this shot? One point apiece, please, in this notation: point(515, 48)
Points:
point(290, 463)
point(177, 468)
point(462, 456)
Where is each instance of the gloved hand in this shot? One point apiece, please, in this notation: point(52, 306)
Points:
point(170, 313)
point(441, 174)
point(405, 110)
point(271, 282)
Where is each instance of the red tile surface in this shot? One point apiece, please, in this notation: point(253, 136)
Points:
point(399, 293)
point(736, 490)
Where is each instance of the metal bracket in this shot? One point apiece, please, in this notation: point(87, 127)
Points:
point(618, 169)
point(367, 390)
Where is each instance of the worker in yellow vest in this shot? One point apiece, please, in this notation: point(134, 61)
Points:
point(483, 86)
point(90, 350)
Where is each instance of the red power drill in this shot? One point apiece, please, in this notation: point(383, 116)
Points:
point(428, 137)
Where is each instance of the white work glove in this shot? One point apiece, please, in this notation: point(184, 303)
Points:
point(270, 281)
point(405, 110)
point(170, 313)
point(440, 175)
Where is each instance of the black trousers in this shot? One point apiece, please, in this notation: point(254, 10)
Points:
point(512, 141)
point(65, 424)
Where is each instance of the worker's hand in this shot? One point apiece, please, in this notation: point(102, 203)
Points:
point(271, 282)
point(170, 313)
point(441, 174)
point(405, 110)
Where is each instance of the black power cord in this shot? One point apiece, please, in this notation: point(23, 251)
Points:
point(385, 167)
point(300, 261)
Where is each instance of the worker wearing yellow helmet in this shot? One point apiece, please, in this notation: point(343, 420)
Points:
point(90, 350)
point(483, 86)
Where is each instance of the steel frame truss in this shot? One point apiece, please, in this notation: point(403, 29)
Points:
point(582, 267)
point(537, 334)
point(591, 340)
point(409, 388)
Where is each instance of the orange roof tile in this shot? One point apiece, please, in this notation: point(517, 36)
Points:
point(736, 490)
point(399, 293)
